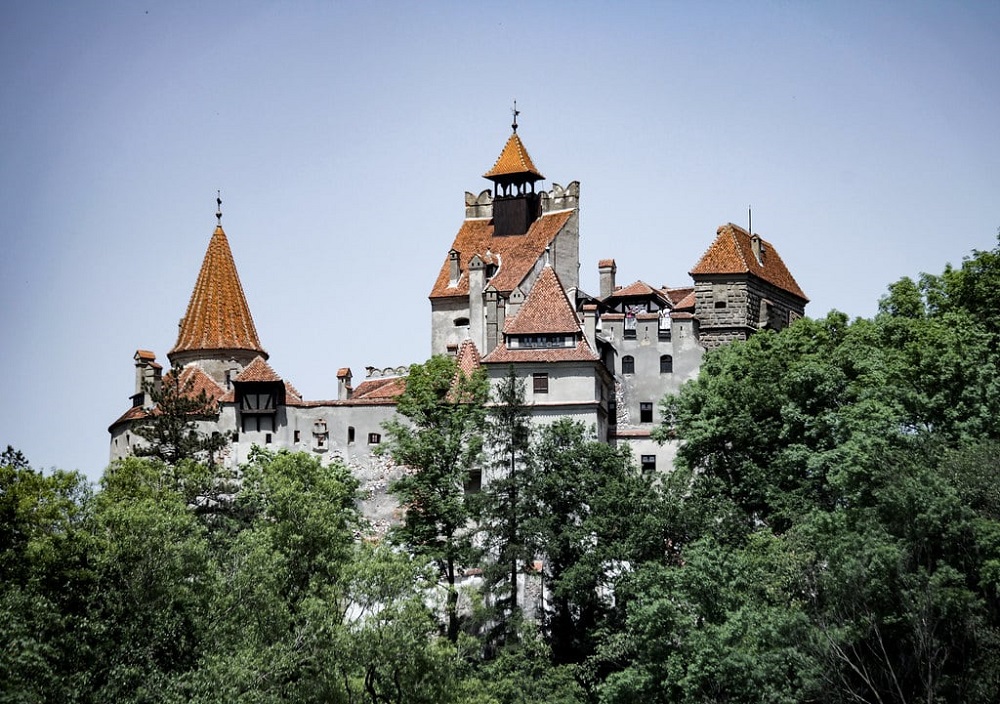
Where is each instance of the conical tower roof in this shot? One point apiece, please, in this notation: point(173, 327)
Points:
point(514, 164)
point(218, 317)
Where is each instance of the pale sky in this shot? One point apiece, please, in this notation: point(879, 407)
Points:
point(865, 136)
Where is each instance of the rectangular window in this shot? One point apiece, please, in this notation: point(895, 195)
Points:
point(297, 436)
point(646, 412)
point(350, 434)
point(540, 383)
point(628, 364)
point(267, 438)
point(648, 463)
point(374, 438)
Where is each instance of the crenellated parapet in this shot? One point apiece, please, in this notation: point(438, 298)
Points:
point(558, 198)
point(480, 206)
point(386, 372)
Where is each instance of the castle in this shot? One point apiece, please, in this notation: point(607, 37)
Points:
point(507, 296)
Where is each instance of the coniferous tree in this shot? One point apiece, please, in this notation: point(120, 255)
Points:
point(171, 426)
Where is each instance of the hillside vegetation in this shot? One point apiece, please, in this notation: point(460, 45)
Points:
point(831, 534)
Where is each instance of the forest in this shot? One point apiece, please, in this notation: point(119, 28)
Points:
point(830, 533)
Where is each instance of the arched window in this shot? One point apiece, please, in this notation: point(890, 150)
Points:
point(628, 364)
point(666, 364)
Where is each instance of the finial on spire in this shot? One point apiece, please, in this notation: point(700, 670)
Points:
point(516, 113)
point(218, 210)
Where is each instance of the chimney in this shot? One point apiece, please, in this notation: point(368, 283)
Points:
point(147, 377)
point(453, 272)
point(590, 324)
point(344, 384)
point(758, 248)
point(607, 269)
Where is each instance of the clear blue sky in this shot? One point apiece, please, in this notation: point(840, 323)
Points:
point(866, 136)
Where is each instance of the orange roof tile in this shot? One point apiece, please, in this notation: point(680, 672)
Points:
point(514, 161)
point(686, 303)
point(199, 381)
point(218, 316)
point(676, 295)
point(639, 288)
point(257, 371)
point(517, 254)
point(606, 263)
point(376, 389)
point(732, 253)
point(583, 352)
point(145, 355)
point(468, 358)
point(546, 310)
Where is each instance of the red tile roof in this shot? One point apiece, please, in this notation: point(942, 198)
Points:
point(199, 381)
point(605, 263)
point(732, 253)
point(468, 358)
point(218, 316)
point(676, 295)
point(517, 254)
point(639, 288)
point(513, 161)
point(379, 389)
point(546, 310)
point(258, 371)
point(686, 303)
point(581, 353)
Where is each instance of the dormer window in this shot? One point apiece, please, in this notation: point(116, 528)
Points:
point(520, 342)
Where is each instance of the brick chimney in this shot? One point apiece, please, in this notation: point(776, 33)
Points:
point(607, 269)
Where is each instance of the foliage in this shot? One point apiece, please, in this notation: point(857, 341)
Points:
point(440, 444)
point(170, 429)
point(503, 508)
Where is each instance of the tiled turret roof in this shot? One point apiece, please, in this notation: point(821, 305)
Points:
point(514, 161)
point(218, 317)
point(732, 253)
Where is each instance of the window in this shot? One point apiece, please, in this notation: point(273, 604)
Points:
point(646, 412)
point(663, 331)
point(666, 364)
point(648, 463)
point(720, 304)
point(350, 434)
point(612, 413)
point(267, 438)
point(628, 364)
point(540, 383)
point(461, 322)
point(297, 436)
point(374, 438)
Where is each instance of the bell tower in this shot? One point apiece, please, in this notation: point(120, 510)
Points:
point(515, 203)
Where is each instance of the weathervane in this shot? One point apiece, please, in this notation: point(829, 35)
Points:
point(516, 113)
point(218, 211)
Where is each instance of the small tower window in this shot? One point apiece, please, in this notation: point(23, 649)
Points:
point(461, 322)
point(646, 412)
point(374, 438)
point(666, 364)
point(350, 434)
point(628, 364)
point(649, 463)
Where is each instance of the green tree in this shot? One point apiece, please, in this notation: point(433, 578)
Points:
point(440, 444)
point(576, 523)
point(46, 580)
point(503, 506)
point(170, 429)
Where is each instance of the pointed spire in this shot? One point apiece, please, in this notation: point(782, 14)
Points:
point(218, 317)
point(514, 165)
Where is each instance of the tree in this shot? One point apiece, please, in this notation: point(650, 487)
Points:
point(439, 444)
point(46, 580)
point(503, 509)
point(170, 429)
point(576, 493)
